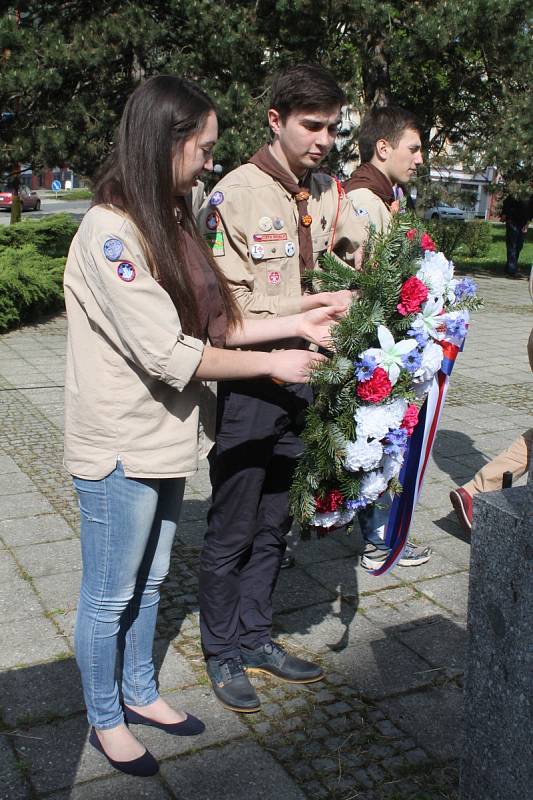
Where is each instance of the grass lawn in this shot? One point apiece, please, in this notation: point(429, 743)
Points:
point(494, 261)
point(75, 194)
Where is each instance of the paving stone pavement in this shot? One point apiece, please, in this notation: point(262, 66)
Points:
point(386, 720)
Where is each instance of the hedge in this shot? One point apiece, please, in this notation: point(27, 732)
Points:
point(51, 235)
point(32, 260)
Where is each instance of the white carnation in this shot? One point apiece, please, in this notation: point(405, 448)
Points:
point(332, 519)
point(374, 422)
point(372, 485)
point(363, 454)
point(431, 360)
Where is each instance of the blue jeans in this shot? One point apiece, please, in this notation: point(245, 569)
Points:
point(373, 519)
point(127, 530)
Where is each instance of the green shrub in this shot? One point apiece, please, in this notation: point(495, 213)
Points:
point(478, 237)
point(30, 283)
point(448, 235)
point(50, 235)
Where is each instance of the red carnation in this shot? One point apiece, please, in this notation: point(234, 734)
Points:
point(333, 501)
point(376, 388)
point(411, 234)
point(413, 293)
point(410, 419)
point(427, 243)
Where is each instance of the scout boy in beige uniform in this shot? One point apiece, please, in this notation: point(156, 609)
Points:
point(389, 146)
point(267, 221)
point(390, 151)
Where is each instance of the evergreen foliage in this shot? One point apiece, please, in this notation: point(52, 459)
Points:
point(68, 67)
point(30, 284)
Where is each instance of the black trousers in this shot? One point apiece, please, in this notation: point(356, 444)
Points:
point(514, 240)
point(252, 466)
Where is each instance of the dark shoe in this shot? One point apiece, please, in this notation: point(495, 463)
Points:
point(141, 767)
point(274, 660)
point(189, 727)
point(287, 562)
point(231, 685)
point(462, 505)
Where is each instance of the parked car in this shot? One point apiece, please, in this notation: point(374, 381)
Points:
point(30, 200)
point(444, 211)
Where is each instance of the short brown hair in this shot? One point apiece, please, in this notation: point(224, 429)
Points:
point(385, 122)
point(305, 87)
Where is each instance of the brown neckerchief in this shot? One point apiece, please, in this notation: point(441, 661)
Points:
point(205, 286)
point(367, 176)
point(269, 164)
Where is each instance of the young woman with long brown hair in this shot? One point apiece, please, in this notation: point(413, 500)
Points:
point(149, 316)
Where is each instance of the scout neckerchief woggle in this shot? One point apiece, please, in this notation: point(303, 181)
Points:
point(267, 163)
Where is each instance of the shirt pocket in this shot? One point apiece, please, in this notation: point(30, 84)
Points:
point(272, 267)
point(321, 243)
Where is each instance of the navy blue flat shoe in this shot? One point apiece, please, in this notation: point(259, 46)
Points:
point(142, 767)
point(191, 726)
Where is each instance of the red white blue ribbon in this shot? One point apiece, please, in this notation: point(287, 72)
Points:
point(416, 460)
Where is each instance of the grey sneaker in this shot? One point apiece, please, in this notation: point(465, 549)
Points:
point(412, 556)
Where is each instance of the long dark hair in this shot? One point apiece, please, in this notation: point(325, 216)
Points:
point(159, 117)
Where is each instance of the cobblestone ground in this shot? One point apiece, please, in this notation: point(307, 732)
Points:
point(386, 720)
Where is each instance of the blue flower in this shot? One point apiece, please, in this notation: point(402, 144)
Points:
point(465, 288)
point(356, 505)
point(413, 360)
point(364, 367)
point(395, 442)
point(456, 328)
point(420, 335)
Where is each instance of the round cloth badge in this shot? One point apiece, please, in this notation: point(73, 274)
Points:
point(278, 223)
point(265, 224)
point(212, 220)
point(216, 198)
point(126, 271)
point(257, 251)
point(290, 249)
point(113, 249)
point(274, 277)
point(307, 220)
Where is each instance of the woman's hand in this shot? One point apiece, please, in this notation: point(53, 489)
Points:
point(293, 366)
point(315, 324)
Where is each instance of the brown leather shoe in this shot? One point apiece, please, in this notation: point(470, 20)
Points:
point(462, 504)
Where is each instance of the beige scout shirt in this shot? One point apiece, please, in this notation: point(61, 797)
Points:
point(368, 205)
point(129, 366)
point(253, 230)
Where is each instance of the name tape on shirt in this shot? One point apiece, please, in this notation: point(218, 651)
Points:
point(270, 237)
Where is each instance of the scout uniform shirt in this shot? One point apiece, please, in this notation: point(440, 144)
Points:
point(251, 223)
point(128, 388)
point(368, 205)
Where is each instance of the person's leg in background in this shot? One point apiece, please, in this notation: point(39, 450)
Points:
point(514, 459)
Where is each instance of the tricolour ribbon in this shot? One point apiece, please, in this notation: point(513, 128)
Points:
point(416, 460)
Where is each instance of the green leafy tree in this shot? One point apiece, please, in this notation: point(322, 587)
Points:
point(463, 66)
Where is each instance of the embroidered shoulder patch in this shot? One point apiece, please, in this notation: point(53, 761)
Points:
point(113, 249)
point(215, 240)
point(126, 271)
